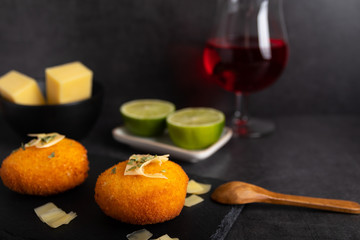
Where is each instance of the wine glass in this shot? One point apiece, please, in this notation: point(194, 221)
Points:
point(246, 52)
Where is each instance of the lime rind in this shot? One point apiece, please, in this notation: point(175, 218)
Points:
point(145, 128)
point(195, 138)
point(146, 117)
point(195, 128)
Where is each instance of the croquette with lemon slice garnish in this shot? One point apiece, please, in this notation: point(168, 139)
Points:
point(48, 164)
point(145, 189)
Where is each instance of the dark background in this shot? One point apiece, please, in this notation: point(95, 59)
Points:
point(146, 47)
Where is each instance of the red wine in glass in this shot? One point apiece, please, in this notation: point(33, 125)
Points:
point(246, 52)
point(242, 66)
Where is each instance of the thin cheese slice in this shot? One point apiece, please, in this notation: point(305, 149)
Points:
point(141, 234)
point(44, 209)
point(68, 83)
point(65, 219)
point(44, 140)
point(137, 162)
point(21, 89)
point(166, 237)
point(53, 216)
point(193, 200)
point(198, 188)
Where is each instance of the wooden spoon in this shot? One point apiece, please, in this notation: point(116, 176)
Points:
point(240, 193)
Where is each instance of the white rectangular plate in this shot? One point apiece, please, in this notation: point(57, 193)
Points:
point(164, 145)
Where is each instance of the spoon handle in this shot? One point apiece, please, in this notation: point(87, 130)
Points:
point(311, 202)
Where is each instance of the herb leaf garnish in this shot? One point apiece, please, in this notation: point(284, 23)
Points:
point(48, 138)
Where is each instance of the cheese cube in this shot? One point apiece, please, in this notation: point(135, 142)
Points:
point(21, 89)
point(68, 83)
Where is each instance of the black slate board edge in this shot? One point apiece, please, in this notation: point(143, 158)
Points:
point(227, 223)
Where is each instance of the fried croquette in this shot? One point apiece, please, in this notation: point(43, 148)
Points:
point(141, 200)
point(46, 171)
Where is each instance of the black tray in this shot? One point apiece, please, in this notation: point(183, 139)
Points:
point(207, 220)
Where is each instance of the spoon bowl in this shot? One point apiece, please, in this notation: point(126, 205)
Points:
point(237, 192)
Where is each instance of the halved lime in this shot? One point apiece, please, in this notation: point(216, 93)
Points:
point(195, 128)
point(146, 117)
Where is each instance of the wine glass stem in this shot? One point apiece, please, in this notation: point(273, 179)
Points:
point(241, 109)
point(243, 126)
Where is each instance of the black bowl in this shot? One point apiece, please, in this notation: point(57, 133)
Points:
point(74, 120)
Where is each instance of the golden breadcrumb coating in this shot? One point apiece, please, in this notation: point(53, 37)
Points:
point(142, 200)
point(46, 171)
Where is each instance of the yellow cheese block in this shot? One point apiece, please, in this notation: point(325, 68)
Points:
point(21, 89)
point(68, 83)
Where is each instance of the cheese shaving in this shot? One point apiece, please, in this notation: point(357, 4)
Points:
point(198, 188)
point(53, 216)
point(141, 234)
point(137, 162)
point(144, 234)
point(193, 200)
point(165, 237)
point(65, 219)
point(40, 211)
point(44, 140)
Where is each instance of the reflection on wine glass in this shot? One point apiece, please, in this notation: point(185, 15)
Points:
point(247, 52)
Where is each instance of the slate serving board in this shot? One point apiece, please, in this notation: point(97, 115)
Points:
point(208, 220)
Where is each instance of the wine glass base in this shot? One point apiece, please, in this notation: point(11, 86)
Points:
point(252, 128)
